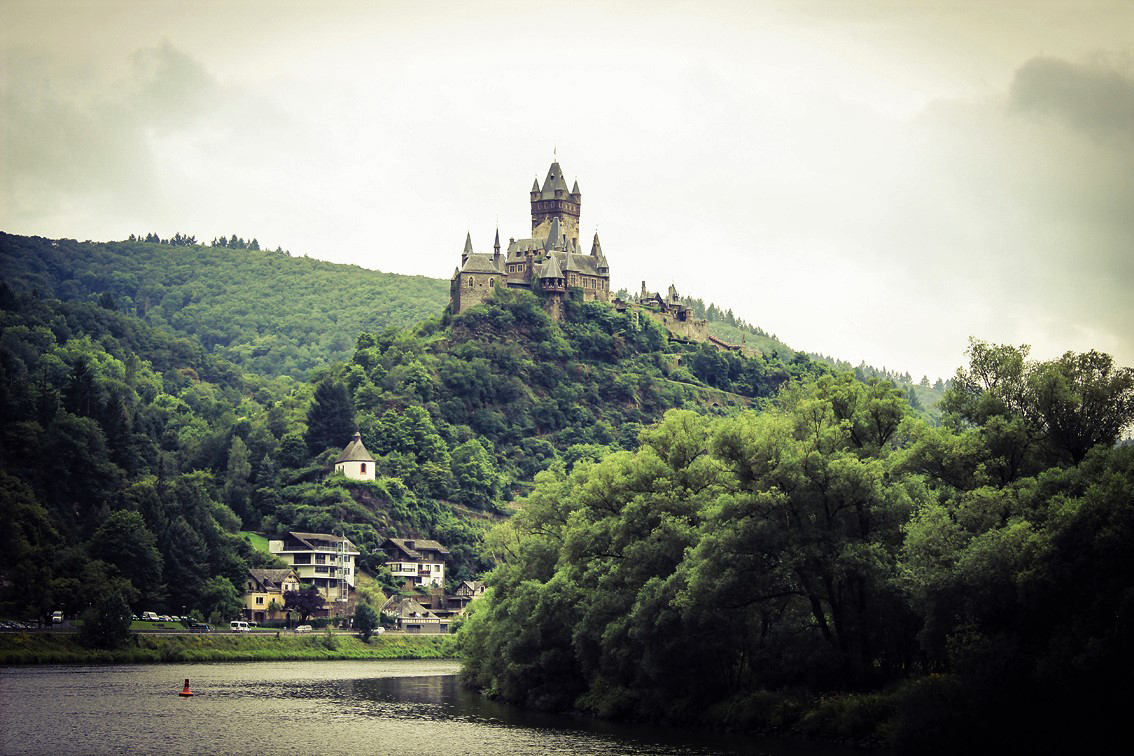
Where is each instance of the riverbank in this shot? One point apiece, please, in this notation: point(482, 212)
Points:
point(64, 648)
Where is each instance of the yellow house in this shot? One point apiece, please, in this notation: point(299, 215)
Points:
point(264, 592)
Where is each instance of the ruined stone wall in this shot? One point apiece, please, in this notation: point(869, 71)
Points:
point(693, 330)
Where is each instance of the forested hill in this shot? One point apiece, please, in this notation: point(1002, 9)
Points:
point(266, 311)
point(131, 457)
point(274, 314)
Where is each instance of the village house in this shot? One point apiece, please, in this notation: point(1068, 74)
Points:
point(432, 612)
point(465, 593)
point(418, 562)
point(410, 616)
point(264, 591)
point(324, 560)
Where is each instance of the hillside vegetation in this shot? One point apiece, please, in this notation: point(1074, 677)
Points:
point(268, 312)
point(833, 565)
point(167, 449)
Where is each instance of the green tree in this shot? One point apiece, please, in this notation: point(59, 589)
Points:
point(219, 600)
point(330, 420)
point(107, 623)
point(238, 480)
point(474, 472)
point(124, 541)
point(365, 621)
point(1084, 400)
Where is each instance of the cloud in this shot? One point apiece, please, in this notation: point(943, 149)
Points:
point(1094, 98)
point(73, 153)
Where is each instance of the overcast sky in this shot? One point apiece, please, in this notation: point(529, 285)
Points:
point(874, 180)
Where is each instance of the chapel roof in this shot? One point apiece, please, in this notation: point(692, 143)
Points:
point(355, 451)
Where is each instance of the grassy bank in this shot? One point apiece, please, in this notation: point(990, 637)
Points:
point(60, 648)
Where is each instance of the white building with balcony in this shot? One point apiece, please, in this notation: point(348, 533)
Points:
point(415, 560)
point(327, 561)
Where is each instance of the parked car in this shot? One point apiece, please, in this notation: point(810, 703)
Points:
point(200, 627)
point(238, 626)
point(149, 617)
point(56, 617)
point(303, 628)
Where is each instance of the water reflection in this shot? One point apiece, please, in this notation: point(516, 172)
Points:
point(314, 707)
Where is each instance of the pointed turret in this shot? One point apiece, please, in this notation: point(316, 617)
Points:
point(554, 183)
point(551, 269)
point(553, 240)
point(596, 248)
point(468, 247)
point(575, 189)
point(496, 248)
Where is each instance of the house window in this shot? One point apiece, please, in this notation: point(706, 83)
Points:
point(362, 468)
point(260, 600)
point(320, 559)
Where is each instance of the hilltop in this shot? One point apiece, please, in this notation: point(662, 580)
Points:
point(266, 311)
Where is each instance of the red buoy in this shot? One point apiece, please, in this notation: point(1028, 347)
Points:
point(186, 691)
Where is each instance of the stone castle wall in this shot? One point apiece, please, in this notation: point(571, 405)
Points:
point(470, 289)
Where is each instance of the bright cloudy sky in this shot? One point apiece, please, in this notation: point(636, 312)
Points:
point(874, 180)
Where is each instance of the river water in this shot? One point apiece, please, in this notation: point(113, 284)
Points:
point(343, 707)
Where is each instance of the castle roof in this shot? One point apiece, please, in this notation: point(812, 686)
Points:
point(553, 235)
point(479, 262)
point(575, 188)
point(553, 182)
point(596, 248)
point(355, 451)
point(551, 269)
point(468, 243)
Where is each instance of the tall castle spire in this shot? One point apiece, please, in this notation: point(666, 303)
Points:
point(555, 201)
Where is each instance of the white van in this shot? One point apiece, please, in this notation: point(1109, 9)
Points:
point(238, 626)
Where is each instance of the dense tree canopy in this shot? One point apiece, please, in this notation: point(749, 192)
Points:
point(833, 542)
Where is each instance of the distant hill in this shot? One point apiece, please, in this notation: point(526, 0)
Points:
point(922, 395)
point(275, 314)
point(266, 311)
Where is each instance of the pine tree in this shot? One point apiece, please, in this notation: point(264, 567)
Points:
point(330, 421)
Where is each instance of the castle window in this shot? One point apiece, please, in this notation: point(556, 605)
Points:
point(362, 468)
point(492, 282)
point(470, 283)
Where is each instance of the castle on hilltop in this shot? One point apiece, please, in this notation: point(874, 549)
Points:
point(549, 262)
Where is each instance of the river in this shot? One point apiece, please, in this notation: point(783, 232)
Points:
point(342, 707)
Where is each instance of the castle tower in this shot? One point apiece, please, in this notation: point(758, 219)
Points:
point(554, 200)
point(554, 284)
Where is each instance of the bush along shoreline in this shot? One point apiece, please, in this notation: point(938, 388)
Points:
point(35, 648)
